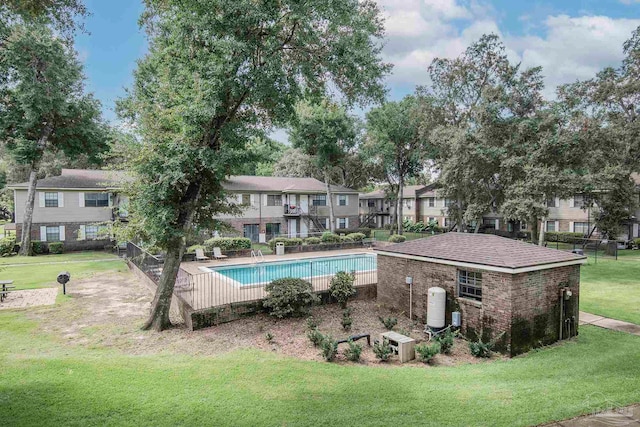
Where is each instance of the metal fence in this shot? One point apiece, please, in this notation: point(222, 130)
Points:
point(223, 285)
point(150, 265)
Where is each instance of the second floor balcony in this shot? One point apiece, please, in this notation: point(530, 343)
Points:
point(292, 210)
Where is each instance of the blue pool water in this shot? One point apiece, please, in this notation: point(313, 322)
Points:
point(249, 274)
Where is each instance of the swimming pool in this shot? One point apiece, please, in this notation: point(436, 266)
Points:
point(302, 268)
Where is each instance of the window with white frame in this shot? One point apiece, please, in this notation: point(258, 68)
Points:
point(91, 232)
point(551, 226)
point(470, 284)
point(431, 202)
point(53, 233)
point(342, 223)
point(551, 203)
point(96, 200)
point(274, 200)
point(523, 225)
point(319, 200)
point(50, 200)
point(581, 227)
point(342, 200)
point(578, 201)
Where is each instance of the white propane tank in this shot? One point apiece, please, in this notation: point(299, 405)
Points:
point(436, 301)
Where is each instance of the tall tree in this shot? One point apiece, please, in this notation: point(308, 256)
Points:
point(43, 107)
point(325, 132)
point(218, 73)
point(394, 141)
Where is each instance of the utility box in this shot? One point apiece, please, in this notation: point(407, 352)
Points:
point(279, 248)
point(403, 346)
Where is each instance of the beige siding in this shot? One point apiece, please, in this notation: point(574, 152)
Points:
point(566, 211)
point(70, 213)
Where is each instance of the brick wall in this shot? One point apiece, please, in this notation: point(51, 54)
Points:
point(511, 304)
point(71, 242)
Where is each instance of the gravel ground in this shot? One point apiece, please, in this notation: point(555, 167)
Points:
point(107, 311)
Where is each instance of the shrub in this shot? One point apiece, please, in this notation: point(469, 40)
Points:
point(347, 321)
point(312, 240)
point(329, 237)
point(480, 348)
point(7, 245)
point(388, 322)
point(192, 249)
point(346, 239)
point(294, 241)
point(636, 242)
point(446, 341)
point(56, 247)
point(397, 238)
point(563, 236)
point(38, 247)
point(228, 243)
point(269, 337)
point(382, 350)
point(353, 352)
point(426, 351)
point(315, 337)
point(289, 297)
point(329, 348)
point(356, 237)
point(341, 287)
point(312, 323)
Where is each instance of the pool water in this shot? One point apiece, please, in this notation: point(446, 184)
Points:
point(308, 268)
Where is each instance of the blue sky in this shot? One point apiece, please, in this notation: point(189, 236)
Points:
point(570, 39)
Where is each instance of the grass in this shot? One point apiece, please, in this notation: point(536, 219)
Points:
point(46, 382)
point(612, 288)
point(383, 235)
point(68, 257)
point(26, 276)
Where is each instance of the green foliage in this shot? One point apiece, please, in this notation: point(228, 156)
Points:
point(346, 239)
point(356, 237)
point(329, 237)
point(227, 243)
point(289, 297)
point(353, 351)
point(479, 348)
point(397, 238)
point(388, 322)
point(288, 241)
point(347, 321)
point(269, 337)
point(7, 244)
point(427, 351)
point(446, 340)
point(38, 247)
point(342, 287)
point(315, 336)
point(636, 242)
point(312, 241)
point(192, 249)
point(312, 323)
point(56, 247)
point(329, 348)
point(382, 350)
point(563, 237)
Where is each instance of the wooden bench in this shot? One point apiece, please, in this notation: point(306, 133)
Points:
point(356, 338)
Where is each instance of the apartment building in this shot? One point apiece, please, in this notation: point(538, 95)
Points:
point(77, 206)
point(375, 207)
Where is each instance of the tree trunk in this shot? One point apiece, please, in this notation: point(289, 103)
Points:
point(332, 218)
point(534, 229)
point(461, 226)
point(477, 228)
point(541, 231)
point(27, 220)
point(400, 207)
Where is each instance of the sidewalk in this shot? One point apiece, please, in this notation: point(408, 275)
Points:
point(628, 416)
point(605, 322)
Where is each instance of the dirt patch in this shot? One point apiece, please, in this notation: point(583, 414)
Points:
point(108, 310)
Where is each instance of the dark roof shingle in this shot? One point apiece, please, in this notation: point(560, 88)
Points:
point(482, 249)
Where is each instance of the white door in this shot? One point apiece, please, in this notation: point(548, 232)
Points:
point(304, 230)
point(304, 203)
point(292, 200)
point(293, 230)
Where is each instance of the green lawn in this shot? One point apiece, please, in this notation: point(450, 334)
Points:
point(68, 257)
point(383, 235)
point(28, 276)
point(612, 288)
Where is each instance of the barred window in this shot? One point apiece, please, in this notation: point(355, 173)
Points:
point(470, 284)
point(51, 200)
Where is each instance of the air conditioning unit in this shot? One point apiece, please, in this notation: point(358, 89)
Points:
point(403, 346)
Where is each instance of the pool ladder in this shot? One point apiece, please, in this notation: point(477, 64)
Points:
point(257, 257)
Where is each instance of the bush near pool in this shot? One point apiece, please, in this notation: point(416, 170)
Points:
point(227, 243)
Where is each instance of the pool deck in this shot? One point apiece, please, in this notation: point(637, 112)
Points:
point(193, 267)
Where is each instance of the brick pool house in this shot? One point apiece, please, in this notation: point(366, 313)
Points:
point(498, 285)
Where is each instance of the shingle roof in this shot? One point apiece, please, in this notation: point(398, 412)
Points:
point(101, 179)
point(482, 249)
point(407, 192)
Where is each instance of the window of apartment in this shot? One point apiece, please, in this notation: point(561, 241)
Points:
point(448, 202)
point(431, 219)
point(578, 201)
point(371, 203)
point(523, 226)
point(91, 232)
point(246, 199)
point(51, 200)
point(551, 203)
point(551, 226)
point(342, 200)
point(342, 223)
point(581, 227)
point(94, 200)
point(431, 202)
point(53, 234)
point(319, 200)
point(489, 222)
point(407, 203)
point(470, 284)
point(447, 222)
point(274, 200)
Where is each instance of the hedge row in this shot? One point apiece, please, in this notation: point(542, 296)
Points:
point(327, 238)
point(227, 243)
point(563, 236)
point(7, 244)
